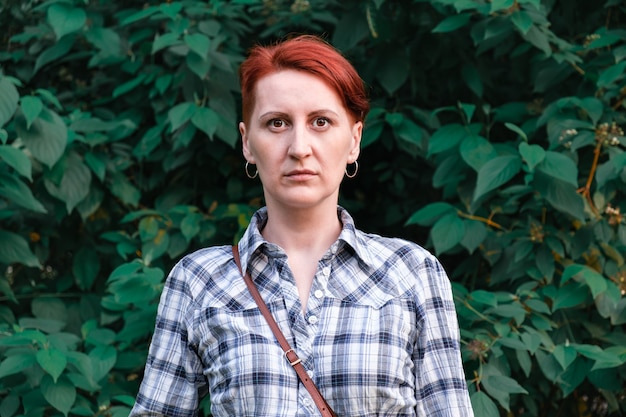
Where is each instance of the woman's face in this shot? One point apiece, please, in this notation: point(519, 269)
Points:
point(301, 137)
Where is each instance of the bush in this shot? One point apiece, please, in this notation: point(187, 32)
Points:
point(495, 139)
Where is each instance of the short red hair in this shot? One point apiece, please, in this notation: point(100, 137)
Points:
point(310, 54)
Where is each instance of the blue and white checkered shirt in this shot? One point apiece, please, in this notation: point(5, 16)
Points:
point(379, 336)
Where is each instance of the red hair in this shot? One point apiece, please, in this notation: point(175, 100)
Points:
point(309, 54)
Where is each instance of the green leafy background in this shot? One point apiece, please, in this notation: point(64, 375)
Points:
point(495, 140)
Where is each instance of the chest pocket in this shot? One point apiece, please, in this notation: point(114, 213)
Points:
point(367, 356)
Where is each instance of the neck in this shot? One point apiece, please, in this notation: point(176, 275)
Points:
point(312, 230)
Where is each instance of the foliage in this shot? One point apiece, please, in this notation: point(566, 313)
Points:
point(495, 139)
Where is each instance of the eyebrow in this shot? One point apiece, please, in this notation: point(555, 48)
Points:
point(318, 112)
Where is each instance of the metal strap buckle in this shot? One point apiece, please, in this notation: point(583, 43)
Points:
point(294, 363)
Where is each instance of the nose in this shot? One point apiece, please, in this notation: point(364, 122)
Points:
point(300, 142)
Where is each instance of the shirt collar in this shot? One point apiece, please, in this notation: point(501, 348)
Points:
point(253, 243)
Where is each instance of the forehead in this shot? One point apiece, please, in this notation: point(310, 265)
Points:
point(295, 89)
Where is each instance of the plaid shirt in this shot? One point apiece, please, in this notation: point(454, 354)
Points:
point(379, 336)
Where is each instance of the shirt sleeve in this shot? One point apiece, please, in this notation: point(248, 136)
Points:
point(441, 390)
point(173, 382)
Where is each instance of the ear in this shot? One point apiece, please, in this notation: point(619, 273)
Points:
point(246, 145)
point(355, 146)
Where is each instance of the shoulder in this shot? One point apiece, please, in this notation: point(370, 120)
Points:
point(385, 248)
point(200, 270)
point(407, 262)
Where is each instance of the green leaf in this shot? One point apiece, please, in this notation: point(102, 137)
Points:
point(14, 364)
point(408, 131)
point(56, 51)
point(156, 247)
point(15, 190)
point(31, 107)
point(446, 137)
point(149, 141)
point(53, 361)
point(74, 185)
point(10, 405)
point(141, 14)
point(102, 361)
point(495, 173)
point(594, 280)
point(475, 235)
point(604, 358)
point(180, 114)
point(9, 98)
point(559, 166)
point(171, 9)
point(611, 75)
point(199, 43)
point(65, 19)
point(574, 375)
point(507, 384)
point(497, 5)
point(204, 119)
point(447, 232)
point(452, 23)
point(484, 297)
point(429, 214)
point(393, 70)
point(524, 361)
point(514, 310)
point(190, 225)
point(483, 405)
point(97, 163)
point(532, 341)
point(514, 128)
point(568, 297)
point(468, 110)
point(123, 189)
point(14, 249)
point(198, 65)
point(129, 85)
point(548, 365)
point(564, 355)
point(593, 107)
point(560, 194)
point(472, 79)
point(539, 39)
point(522, 21)
point(17, 159)
point(60, 394)
point(86, 267)
point(49, 97)
point(532, 154)
point(46, 138)
point(477, 151)
point(164, 41)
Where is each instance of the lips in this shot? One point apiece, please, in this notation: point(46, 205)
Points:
point(300, 174)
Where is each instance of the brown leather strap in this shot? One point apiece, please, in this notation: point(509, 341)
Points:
point(290, 354)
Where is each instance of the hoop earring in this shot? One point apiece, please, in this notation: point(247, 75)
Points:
point(256, 172)
point(356, 169)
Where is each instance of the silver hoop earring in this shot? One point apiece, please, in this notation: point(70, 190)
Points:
point(356, 169)
point(256, 171)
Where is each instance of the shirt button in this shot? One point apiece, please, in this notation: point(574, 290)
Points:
point(318, 294)
point(307, 402)
point(326, 271)
point(312, 319)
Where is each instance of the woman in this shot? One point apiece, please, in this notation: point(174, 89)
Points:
point(371, 318)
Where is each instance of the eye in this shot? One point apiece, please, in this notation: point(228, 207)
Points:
point(277, 123)
point(321, 122)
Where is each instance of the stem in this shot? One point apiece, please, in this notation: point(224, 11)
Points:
point(586, 190)
point(480, 219)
